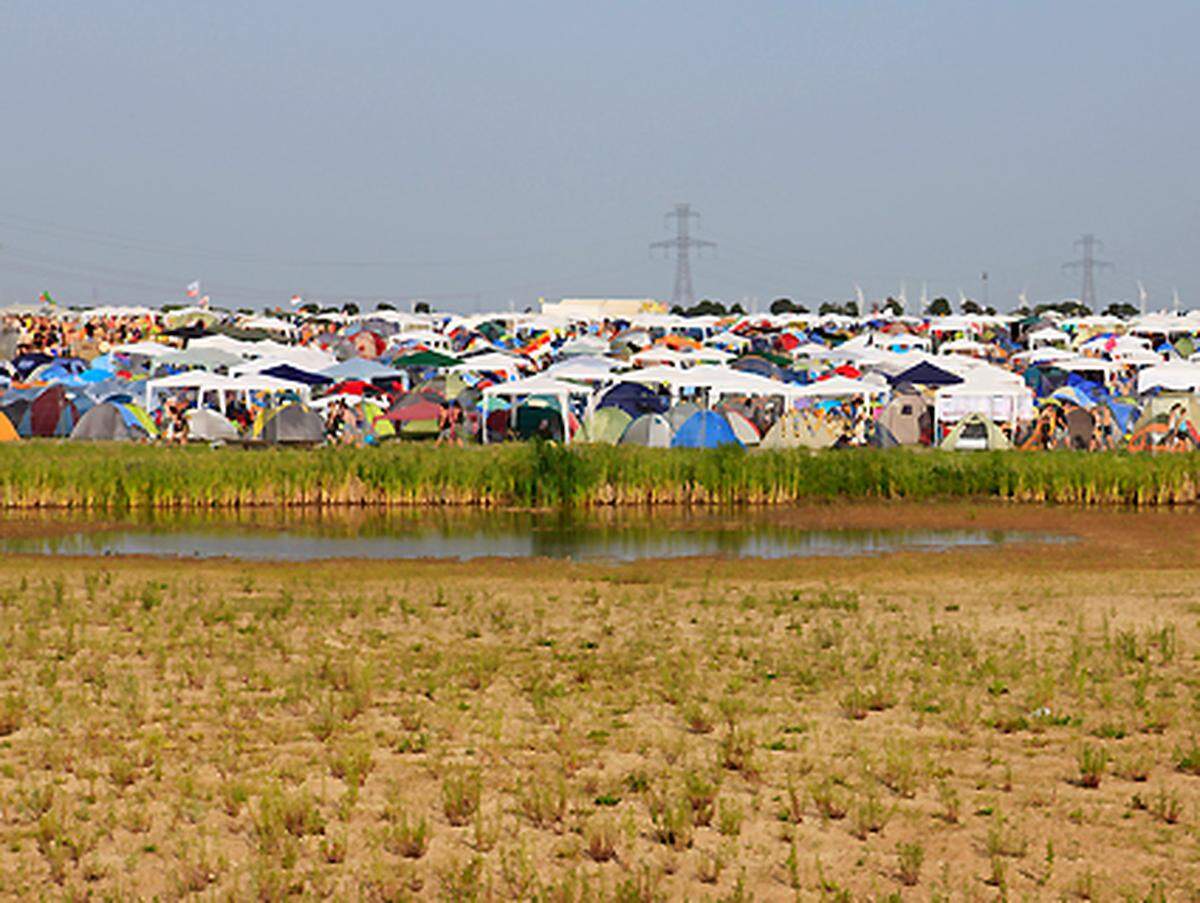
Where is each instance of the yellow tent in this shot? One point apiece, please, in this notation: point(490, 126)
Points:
point(7, 433)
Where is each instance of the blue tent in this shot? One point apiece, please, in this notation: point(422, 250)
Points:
point(1092, 389)
point(926, 374)
point(634, 399)
point(357, 368)
point(1123, 413)
point(24, 364)
point(296, 375)
point(1075, 395)
point(704, 429)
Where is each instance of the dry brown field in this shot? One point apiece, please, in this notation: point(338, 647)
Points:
point(979, 724)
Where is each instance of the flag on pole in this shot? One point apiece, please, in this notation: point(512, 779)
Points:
point(45, 298)
point(193, 290)
point(297, 300)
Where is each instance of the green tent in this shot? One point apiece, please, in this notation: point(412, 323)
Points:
point(778, 360)
point(424, 359)
point(605, 426)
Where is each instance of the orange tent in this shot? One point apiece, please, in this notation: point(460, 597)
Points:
point(7, 433)
point(678, 342)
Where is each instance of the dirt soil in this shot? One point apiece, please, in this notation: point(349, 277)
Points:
point(973, 724)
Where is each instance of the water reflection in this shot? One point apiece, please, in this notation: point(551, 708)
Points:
point(622, 536)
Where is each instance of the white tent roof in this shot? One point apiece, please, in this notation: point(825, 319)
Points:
point(1044, 355)
point(967, 345)
point(1176, 376)
point(839, 387)
point(269, 324)
point(146, 349)
point(1048, 334)
point(489, 361)
point(536, 385)
point(227, 344)
point(584, 368)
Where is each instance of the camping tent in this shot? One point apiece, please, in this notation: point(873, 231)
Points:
point(206, 425)
point(649, 430)
point(53, 413)
point(605, 425)
point(800, 429)
point(907, 417)
point(746, 432)
point(704, 429)
point(113, 422)
point(678, 415)
point(975, 433)
point(634, 399)
point(927, 374)
point(292, 423)
point(8, 433)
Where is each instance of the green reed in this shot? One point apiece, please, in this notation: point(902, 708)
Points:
point(117, 477)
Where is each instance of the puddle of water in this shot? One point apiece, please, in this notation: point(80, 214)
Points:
point(491, 534)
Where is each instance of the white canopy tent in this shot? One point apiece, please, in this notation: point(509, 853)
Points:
point(541, 384)
point(1176, 376)
point(998, 395)
point(202, 382)
point(840, 387)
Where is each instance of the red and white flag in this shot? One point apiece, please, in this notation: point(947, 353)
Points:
point(297, 300)
point(193, 290)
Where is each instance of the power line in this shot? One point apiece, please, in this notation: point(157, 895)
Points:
point(1087, 264)
point(682, 245)
point(113, 241)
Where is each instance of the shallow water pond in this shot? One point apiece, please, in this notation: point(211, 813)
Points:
point(619, 536)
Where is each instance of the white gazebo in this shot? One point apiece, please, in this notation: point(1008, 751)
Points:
point(559, 389)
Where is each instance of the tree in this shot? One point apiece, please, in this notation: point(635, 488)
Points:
point(892, 306)
point(1121, 309)
point(971, 307)
point(310, 309)
point(1066, 308)
point(939, 307)
point(350, 308)
point(383, 305)
point(848, 309)
point(706, 308)
point(421, 307)
point(787, 306)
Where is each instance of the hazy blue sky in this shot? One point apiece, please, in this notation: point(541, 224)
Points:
point(480, 152)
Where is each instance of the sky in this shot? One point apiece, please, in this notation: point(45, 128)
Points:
point(485, 154)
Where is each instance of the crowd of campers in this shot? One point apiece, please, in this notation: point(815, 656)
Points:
point(959, 382)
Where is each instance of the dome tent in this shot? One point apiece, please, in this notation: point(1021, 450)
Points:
point(975, 433)
point(113, 422)
point(705, 429)
point(206, 425)
point(292, 423)
point(648, 431)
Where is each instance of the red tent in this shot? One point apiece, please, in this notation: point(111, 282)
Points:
point(419, 410)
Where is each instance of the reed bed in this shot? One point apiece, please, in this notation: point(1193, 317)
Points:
point(105, 477)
